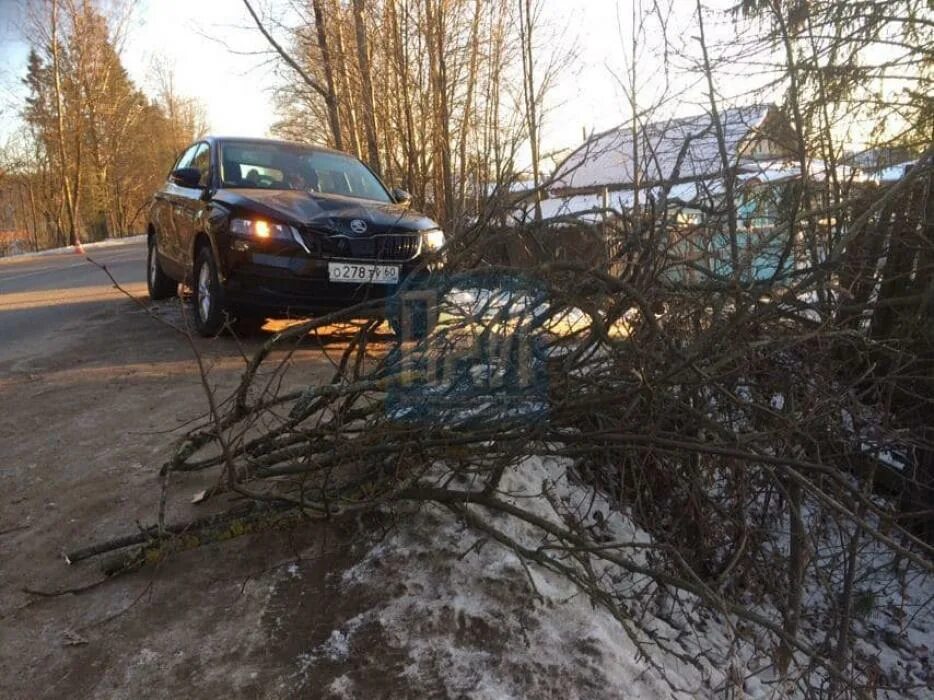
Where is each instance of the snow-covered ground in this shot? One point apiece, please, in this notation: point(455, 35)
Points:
point(110, 242)
point(466, 611)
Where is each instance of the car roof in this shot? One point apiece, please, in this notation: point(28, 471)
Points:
point(214, 139)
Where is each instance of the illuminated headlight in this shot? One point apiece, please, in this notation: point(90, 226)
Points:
point(261, 229)
point(433, 240)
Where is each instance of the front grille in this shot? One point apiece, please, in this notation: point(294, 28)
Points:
point(398, 247)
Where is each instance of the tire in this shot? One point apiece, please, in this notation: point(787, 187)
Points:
point(208, 295)
point(161, 286)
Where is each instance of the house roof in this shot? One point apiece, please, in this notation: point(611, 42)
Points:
point(590, 207)
point(607, 159)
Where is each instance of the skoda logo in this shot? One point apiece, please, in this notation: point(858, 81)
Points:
point(358, 226)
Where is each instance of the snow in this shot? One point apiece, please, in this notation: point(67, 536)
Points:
point(337, 646)
point(109, 243)
point(466, 612)
point(891, 456)
point(586, 207)
point(515, 187)
point(893, 173)
point(607, 158)
point(341, 687)
point(488, 303)
point(591, 208)
point(773, 171)
point(463, 609)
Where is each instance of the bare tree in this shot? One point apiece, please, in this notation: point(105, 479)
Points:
point(99, 144)
point(527, 15)
point(326, 59)
point(71, 181)
point(366, 84)
point(446, 63)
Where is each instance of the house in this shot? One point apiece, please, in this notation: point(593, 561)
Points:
point(682, 164)
point(671, 151)
point(676, 158)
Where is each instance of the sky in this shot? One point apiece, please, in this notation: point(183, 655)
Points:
point(193, 36)
point(220, 58)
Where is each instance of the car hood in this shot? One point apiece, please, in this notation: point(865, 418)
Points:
point(325, 212)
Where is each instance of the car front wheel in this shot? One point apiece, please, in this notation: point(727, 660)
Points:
point(208, 295)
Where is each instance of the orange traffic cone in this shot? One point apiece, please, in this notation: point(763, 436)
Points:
point(79, 249)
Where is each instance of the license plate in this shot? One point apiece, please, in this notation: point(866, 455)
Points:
point(357, 273)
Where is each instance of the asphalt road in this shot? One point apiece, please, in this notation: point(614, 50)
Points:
point(41, 296)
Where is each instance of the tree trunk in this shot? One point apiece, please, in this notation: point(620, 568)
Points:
point(796, 564)
point(334, 119)
point(71, 195)
point(33, 214)
point(468, 106)
point(346, 85)
point(366, 85)
point(444, 187)
point(401, 83)
point(526, 25)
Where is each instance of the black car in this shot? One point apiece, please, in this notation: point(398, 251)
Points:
point(263, 228)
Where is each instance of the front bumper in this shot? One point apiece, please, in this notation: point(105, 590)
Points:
point(290, 283)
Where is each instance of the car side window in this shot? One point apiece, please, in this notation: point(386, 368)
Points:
point(187, 156)
point(202, 161)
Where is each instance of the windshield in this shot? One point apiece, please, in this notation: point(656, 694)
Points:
point(273, 166)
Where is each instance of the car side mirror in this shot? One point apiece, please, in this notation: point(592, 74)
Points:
point(186, 177)
point(401, 196)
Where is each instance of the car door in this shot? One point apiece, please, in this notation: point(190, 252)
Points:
point(168, 203)
point(161, 215)
point(191, 205)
